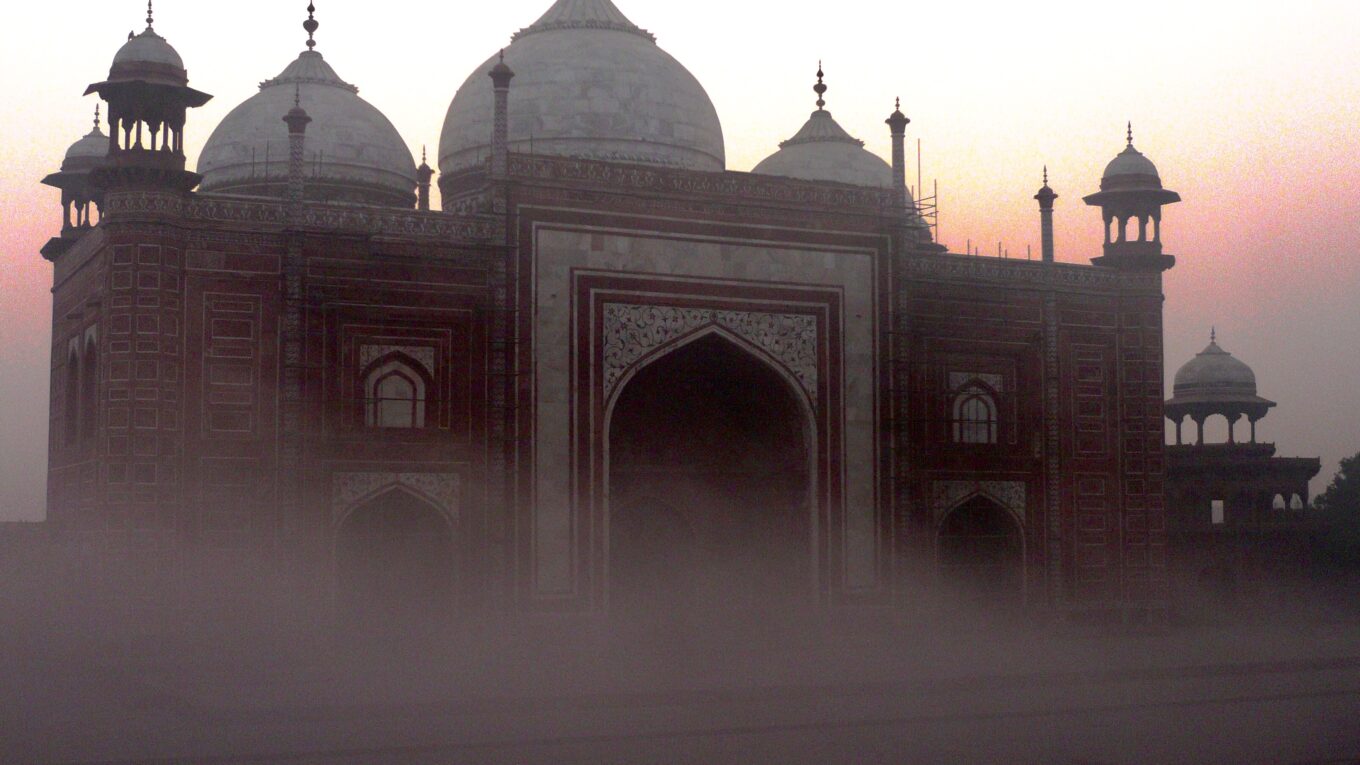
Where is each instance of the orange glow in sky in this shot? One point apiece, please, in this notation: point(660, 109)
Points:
point(1248, 109)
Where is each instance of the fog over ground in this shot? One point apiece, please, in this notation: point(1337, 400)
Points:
point(245, 672)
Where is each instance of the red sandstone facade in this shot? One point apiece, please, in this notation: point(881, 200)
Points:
point(175, 302)
point(590, 385)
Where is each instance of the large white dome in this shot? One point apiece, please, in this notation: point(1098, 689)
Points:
point(588, 83)
point(353, 152)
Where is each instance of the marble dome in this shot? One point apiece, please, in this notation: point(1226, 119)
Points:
point(1214, 374)
point(353, 152)
point(588, 83)
point(87, 153)
point(147, 48)
point(823, 151)
point(1131, 170)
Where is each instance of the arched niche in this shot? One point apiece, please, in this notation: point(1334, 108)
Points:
point(710, 482)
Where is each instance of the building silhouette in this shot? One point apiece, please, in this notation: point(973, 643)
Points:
point(608, 371)
point(1237, 514)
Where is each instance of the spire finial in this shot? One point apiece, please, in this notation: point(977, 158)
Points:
point(1045, 175)
point(424, 159)
point(1213, 334)
point(820, 88)
point(148, 14)
point(1130, 132)
point(311, 25)
point(898, 104)
point(502, 54)
point(297, 95)
point(96, 118)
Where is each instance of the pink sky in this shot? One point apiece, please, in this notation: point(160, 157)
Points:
point(1248, 109)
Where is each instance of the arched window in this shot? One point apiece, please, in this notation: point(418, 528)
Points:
point(974, 416)
point(89, 385)
point(1278, 503)
point(1296, 502)
point(394, 392)
point(72, 410)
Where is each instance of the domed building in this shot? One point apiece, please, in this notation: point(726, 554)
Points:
point(590, 84)
point(1216, 383)
point(354, 153)
point(606, 356)
point(1237, 514)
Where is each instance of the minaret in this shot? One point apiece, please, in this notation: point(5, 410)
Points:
point(501, 75)
point(1046, 197)
point(297, 120)
point(1131, 191)
point(424, 175)
point(897, 122)
point(148, 95)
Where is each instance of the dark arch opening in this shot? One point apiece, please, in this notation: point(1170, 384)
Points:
point(981, 553)
point(395, 566)
point(709, 488)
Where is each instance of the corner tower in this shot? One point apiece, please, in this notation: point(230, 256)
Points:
point(148, 94)
point(1131, 192)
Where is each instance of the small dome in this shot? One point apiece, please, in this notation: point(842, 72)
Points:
point(353, 152)
point(86, 153)
point(823, 151)
point(589, 83)
point(149, 58)
point(1130, 162)
point(1215, 375)
point(148, 48)
point(1131, 171)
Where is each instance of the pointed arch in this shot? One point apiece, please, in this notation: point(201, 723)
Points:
point(396, 390)
point(975, 413)
point(707, 330)
point(89, 385)
point(728, 437)
point(980, 548)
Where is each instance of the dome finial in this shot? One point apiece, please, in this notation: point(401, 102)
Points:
point(1130, 132)
point(311, 25)
point(1045, 175)
point(1213, 334)
point(820, 88)
point(96, 118)
point(148, 14)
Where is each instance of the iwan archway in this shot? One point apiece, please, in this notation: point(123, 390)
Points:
point(711, 455)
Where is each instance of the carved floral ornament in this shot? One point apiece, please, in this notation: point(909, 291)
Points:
point(350, 490)
point(633, 331)
point(947, 495)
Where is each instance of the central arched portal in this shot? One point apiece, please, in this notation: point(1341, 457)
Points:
point(710, 487)
point(394, 558)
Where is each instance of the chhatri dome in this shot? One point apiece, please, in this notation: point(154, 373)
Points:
point(1214, 376)
point(589, 83)
point(823, 151)
point(147, 56)
point(353, 152)
point(89, 152)
point(1130, 170)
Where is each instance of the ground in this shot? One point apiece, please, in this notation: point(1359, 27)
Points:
point(988, 693)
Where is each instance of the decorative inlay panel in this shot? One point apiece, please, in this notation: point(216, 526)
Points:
point(370, 353)
point(348, 490)
point(947, 495)
point(633, 331)
point(959, 379)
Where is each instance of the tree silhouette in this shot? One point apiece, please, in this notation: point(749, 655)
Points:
point(1339, 509)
